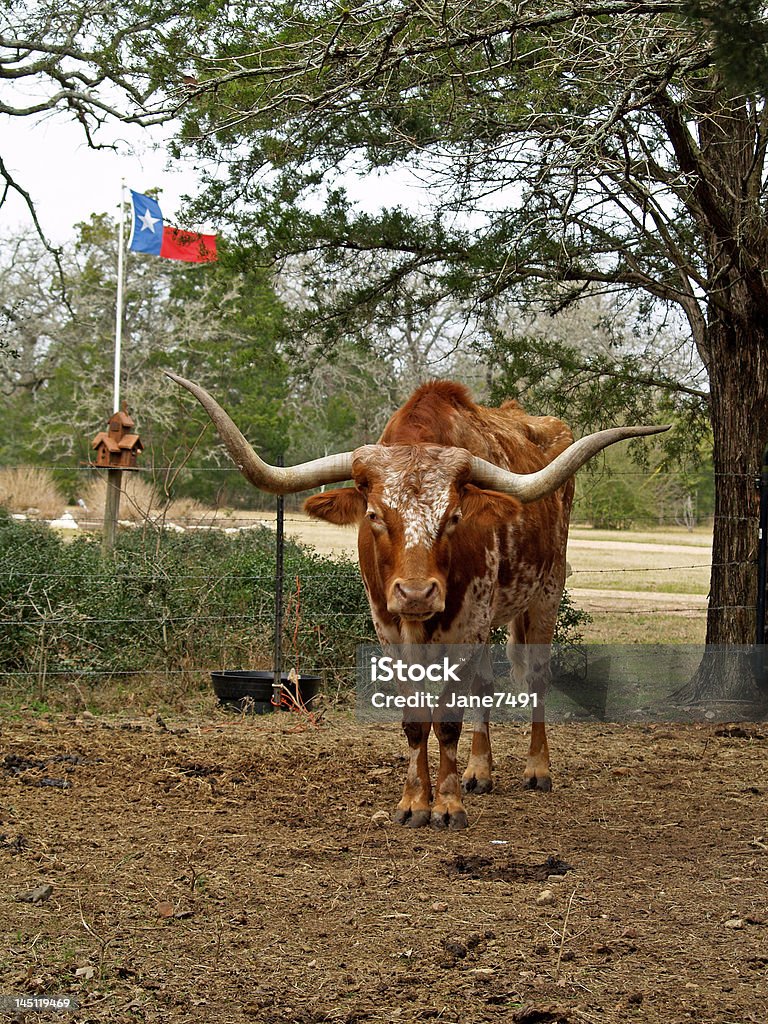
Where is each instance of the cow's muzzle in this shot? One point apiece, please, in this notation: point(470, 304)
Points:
point(416, 598)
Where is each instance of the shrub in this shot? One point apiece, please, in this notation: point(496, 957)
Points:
point(170, 603)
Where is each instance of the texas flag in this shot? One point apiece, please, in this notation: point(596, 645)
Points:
point(149, 234)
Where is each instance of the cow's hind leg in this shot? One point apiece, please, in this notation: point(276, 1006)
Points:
point(477, 776)
point(529, 654)
point(447, 809)
point(414, 807)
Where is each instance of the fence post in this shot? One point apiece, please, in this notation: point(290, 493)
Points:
point(762, 550)
point(111, 509)
point(279, 541)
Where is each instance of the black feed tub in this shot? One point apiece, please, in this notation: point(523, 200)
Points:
point(247, 690)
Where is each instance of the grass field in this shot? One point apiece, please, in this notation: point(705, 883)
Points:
point(639, 587)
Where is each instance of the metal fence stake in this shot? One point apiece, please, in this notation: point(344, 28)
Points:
point(279, 541)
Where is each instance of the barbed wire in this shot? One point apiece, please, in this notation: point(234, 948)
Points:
point(137, 581)
point(85, 467)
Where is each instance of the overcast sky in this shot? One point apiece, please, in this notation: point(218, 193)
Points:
point(68, 181)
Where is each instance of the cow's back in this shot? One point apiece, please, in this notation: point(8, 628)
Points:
point(443, 413)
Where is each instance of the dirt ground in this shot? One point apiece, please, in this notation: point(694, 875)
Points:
point(230, 869)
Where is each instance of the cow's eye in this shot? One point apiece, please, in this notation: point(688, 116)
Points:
point(372, 517)
point(456, 518)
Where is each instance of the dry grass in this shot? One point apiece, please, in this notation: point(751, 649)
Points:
point(141, 501)
point(26, 487)
point(137, 501)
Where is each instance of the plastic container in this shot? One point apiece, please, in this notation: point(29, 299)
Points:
point(251, 690)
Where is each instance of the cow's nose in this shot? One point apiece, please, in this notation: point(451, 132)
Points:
point(416, 597)
point(418, 592)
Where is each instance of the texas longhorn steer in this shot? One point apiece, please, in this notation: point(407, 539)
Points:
point(462, 515)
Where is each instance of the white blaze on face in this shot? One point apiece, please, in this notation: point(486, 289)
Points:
point(421, 504)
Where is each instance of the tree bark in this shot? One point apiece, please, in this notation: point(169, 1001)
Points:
point(738, 372)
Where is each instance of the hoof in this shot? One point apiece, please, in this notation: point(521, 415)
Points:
point(443, 820)
point(418, 819)
point(476, 786)
point(411, 819)
point(544, 784)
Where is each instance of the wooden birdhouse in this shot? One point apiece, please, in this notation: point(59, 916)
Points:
point(117, 447)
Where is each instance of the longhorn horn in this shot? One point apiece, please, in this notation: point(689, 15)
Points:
point(532, 486)
point(276, 479)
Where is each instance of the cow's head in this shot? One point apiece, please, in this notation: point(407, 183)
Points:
point(408, 503)
point(408, 500)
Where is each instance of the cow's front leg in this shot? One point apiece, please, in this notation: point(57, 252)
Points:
point(413, 809)
point(477, 776)
point(447, 809)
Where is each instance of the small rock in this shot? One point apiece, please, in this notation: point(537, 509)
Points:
point(380, 818)
point(38, 895)
point(439, 907)
point(556, 878)
point(456, 949)
point(66, 522)
point(545, 897)
point(735, 922)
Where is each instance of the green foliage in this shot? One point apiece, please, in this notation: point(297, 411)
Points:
point(221, 324)
point(740, 32)
point(571, 622)
point(170, 603)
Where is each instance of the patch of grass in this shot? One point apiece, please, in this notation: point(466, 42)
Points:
point(633, 626)
point(141, 502)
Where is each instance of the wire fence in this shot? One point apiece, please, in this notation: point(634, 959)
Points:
point(181, 606)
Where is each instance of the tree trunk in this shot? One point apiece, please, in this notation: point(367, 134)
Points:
point(738, 373)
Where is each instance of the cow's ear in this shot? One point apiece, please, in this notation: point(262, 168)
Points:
point(488, 507)
point(343, 506)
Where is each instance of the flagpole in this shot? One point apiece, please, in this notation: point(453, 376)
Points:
point(119, 304)
point(115, 474)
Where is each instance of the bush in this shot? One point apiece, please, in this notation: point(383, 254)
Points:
point(170, 603)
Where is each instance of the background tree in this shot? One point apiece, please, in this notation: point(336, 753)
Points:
point(220, 323)
point(588, 145)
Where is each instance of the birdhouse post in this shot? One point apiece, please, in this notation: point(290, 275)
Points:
point(116, 449)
